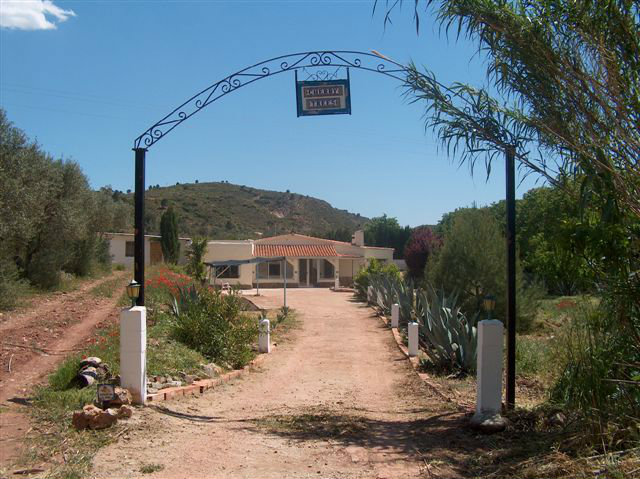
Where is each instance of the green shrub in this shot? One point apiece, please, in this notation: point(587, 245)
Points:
point(11, 286)
point(362, 279)
point(213, 324)
point(598, 375)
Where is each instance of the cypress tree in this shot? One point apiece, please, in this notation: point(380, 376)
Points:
point(169, 236)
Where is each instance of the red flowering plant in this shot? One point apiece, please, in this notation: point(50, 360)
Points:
point(163, 285)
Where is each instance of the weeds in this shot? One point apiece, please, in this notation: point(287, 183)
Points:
point(108, 288)
point(151, 468)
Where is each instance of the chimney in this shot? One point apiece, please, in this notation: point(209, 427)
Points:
point(358, 238)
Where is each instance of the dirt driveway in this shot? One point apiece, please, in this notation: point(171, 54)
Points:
point(339, 400)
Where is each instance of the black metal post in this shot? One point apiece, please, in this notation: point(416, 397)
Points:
point(511, 277)
point(138, 263)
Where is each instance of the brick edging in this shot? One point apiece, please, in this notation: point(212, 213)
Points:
point(202, 385)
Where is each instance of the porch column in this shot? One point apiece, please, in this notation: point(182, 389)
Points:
point(336, 272)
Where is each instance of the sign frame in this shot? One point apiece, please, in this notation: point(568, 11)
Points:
point(105, 393)
point(345, 83)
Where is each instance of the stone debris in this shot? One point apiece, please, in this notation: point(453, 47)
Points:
point(92, 417)
point(212, 370)
point(124, 412)
point(488, 423)
point(556, 420)
point(92, 370)
point(123, 397)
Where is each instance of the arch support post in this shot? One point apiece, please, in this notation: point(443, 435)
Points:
point(511, 276)
point(139, 253)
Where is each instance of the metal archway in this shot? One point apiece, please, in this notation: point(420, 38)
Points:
point(372, 62)
point(274, 66)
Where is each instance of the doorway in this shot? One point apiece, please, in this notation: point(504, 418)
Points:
point(308, 272)
point(303, 272)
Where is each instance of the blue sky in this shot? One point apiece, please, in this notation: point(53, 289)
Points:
point(110, 69)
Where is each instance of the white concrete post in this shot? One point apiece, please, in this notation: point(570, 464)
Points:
point(490, 346)
point(395, 315)
point(413, 339)
point(337, 283)
point(264, 341)
point(133, 352)
point(370, 294)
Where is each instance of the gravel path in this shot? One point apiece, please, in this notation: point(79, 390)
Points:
point(337, 399)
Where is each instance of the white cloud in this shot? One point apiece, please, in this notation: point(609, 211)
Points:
point(32, 14)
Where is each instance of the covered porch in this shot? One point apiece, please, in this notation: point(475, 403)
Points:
point(307, 266)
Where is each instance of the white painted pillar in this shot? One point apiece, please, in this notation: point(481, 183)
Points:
point(395, 315)
point(490, 347)
point(413, 339)
point(370, 294)
point(264, 340)
point(133, 352)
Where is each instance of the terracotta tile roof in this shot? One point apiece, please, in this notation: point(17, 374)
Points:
point(295, 250)
point(289, 235)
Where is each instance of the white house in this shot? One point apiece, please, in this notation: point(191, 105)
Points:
point(310, 261)
point(121, 248)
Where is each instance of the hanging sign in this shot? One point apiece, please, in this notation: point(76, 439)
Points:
point(329, 97)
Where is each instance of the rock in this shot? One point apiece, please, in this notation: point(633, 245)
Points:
point(124, 412)
point(557, 420)
point(156, 385)
point(123, 397)
point(151, 390)
point(188, 379)
point(212, 370)
point(104, 420)
point(93, 417)
point(488, 423)
point(170, 384)
point(79, 420)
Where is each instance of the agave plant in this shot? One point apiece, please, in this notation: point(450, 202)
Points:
point(405, 296)
point(185, 298)
point(449, 338)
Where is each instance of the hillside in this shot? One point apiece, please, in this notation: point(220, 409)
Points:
point(224, 210)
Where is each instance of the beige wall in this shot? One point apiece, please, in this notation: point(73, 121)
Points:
point(117, 248)
point(385, 254)
point(229, 250)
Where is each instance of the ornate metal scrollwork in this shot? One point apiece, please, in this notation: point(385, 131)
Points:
point(267, 68)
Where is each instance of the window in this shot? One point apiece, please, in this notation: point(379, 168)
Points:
point(274, 270)
point(227, 271)
point(129, 249)
point(263, 270)
point(328, 271)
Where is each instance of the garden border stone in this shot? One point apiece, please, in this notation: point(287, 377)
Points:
point(202, 385)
